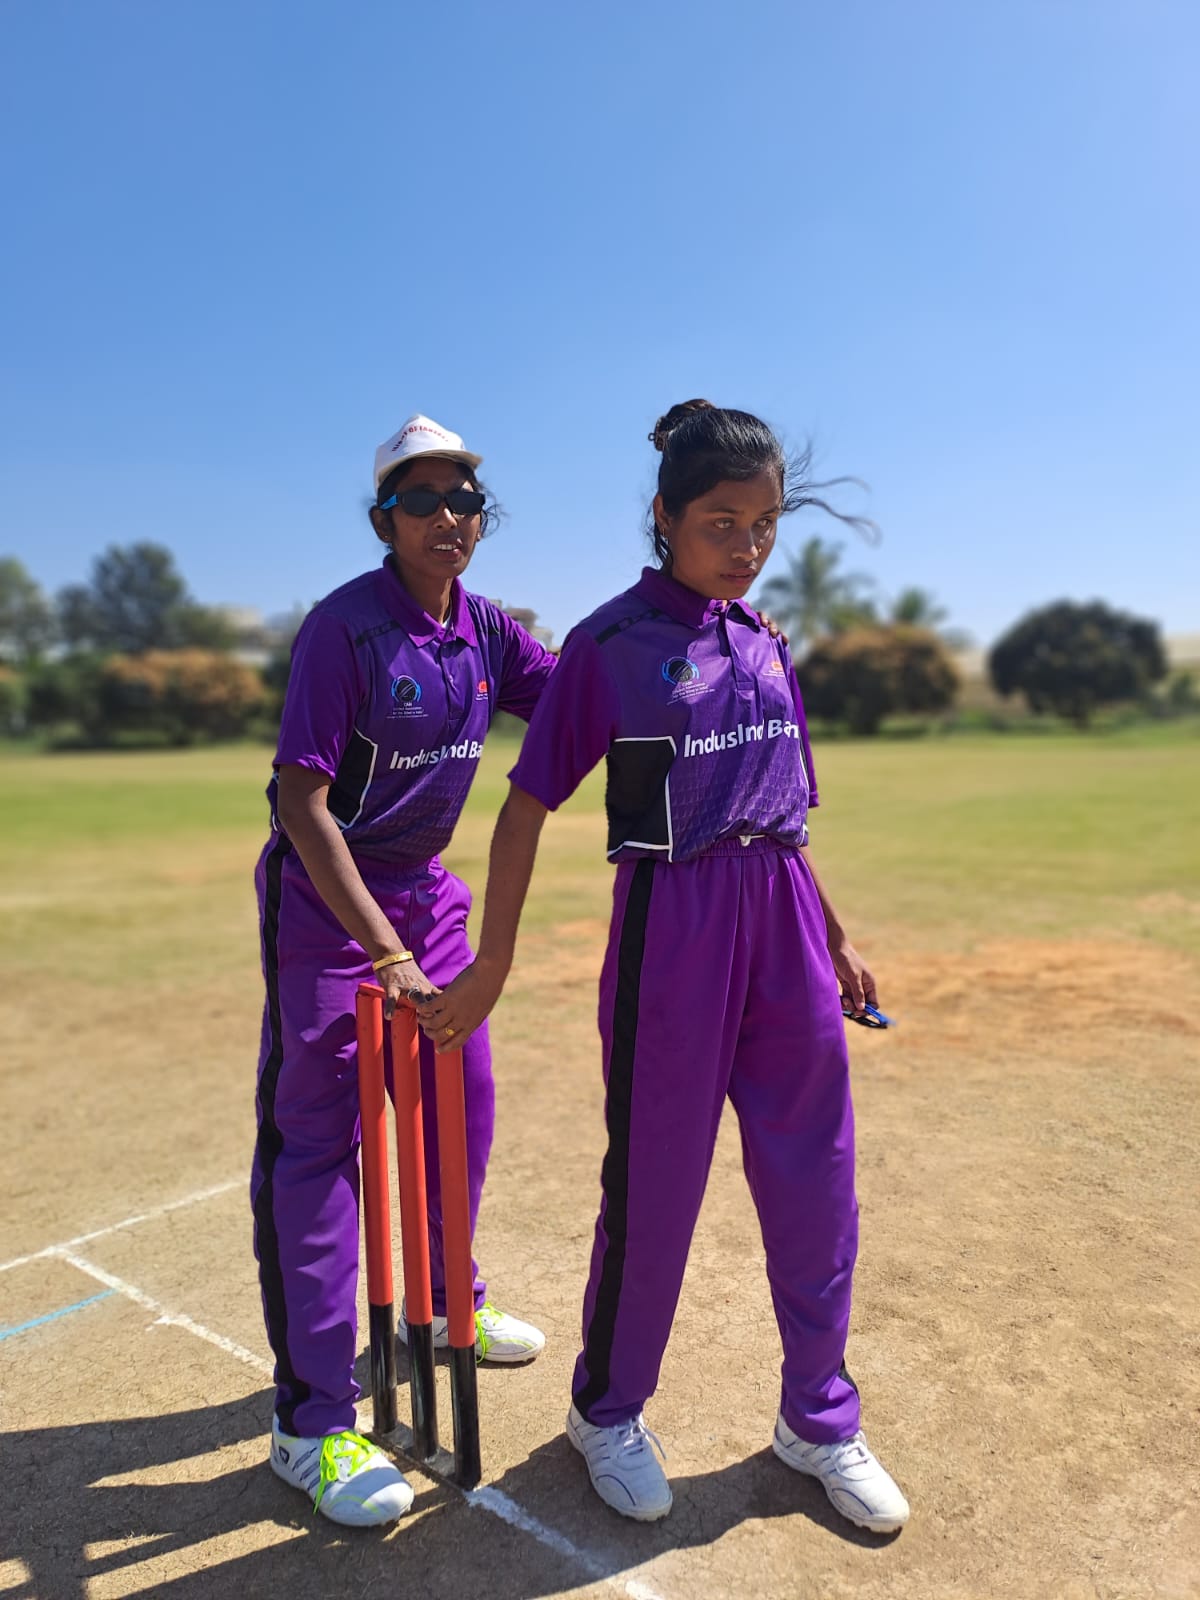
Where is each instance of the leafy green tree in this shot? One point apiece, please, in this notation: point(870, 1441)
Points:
point(1070, 659)
point(915, 607)
point(128, 603)
point(812, 596)
point(135, 601)
point(866, 674)
point(1182, 696)
point(27, 624)
point(62, 692)
point(12, 701)
point(278, 666)
point(196, 627)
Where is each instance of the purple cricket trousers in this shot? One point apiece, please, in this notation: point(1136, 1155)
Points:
point(305, 1182)
point(718, 982)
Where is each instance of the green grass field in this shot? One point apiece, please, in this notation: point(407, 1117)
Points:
point(952, 841)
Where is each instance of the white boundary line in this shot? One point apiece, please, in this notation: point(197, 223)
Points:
point(129, 1222)
point(169, 1319)
point(509, 1511)
point(486, 1498)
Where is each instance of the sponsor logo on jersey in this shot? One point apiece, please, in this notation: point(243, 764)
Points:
point(465, 750)
point(683, 676)
point(743, 733)
point(481, 689)
point(776, 667)
point(406, 697)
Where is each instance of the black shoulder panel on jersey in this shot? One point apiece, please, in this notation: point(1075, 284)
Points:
point(628, 622)
point(380, 628)
point(636, 795)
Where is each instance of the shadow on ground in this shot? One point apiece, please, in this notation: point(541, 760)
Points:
point(200, 1531)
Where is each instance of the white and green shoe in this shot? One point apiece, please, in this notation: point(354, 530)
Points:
point(498, 1337)
point(347, 1479)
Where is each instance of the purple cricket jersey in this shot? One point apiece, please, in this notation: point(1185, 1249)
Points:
point(698, 712)
point(393, 707)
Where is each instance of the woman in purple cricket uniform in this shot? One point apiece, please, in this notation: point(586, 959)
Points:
point(395, 678)
point(723, 969)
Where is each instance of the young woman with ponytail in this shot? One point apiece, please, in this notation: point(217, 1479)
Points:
point(727, 967)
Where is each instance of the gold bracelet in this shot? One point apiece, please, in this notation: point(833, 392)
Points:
point(396, 957)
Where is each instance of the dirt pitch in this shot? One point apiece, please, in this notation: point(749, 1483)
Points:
point(1025, 1334)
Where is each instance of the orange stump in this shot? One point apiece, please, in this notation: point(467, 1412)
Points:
point(414, 1229)
point(460, 1279)
point(377, 1211)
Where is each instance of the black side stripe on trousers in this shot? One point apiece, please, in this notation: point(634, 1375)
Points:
point(614, 1175)
point(270, 1144)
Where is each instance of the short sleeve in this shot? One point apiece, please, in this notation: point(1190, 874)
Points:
point(574, 724)
point(525, 669)
point(324, 693)
point(802, 723)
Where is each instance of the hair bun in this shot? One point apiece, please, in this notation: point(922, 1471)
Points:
point(666, 424)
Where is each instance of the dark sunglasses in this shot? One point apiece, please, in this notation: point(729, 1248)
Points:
point(872, 1017)
point(424, 502)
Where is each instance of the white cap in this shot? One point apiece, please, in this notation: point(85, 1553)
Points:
point(420, 437)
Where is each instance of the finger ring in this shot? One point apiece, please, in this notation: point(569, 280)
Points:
point(450, 1033)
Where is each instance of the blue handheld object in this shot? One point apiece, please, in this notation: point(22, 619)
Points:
point(872, 1017)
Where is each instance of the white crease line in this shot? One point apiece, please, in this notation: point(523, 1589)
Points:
point(129, 1222)
point(509, 1511)
point(488, 1499)
point(169, 1319)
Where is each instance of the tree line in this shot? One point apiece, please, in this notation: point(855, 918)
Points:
point(861, 660)
point(129, 654)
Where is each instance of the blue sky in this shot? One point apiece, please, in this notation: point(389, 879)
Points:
point(956, 245)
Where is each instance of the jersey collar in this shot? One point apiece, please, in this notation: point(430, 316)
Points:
point(683, 604)
point(418, 624)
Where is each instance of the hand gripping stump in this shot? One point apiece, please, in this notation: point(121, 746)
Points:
point(423, 1447)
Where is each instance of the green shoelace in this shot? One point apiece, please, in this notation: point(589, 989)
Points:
point(336, 1448)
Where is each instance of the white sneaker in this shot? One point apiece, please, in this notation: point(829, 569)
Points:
point(344, 1475)
point(498, 1337)
point(856, 1483)
point(622, 1466)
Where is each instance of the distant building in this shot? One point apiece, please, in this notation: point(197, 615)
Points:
point(257, 637)
point(528, 620)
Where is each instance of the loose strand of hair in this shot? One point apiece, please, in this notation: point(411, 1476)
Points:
point(801, 491)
